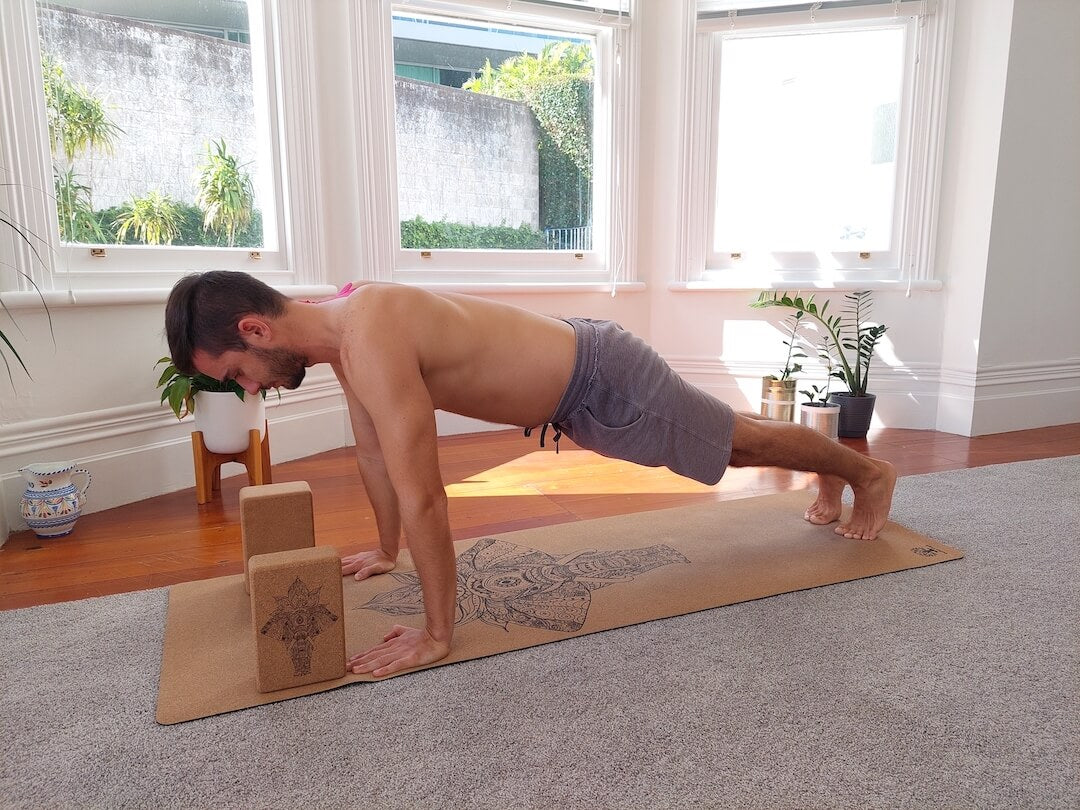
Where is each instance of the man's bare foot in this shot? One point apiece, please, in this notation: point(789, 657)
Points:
point(829, 504)
point(873, 499)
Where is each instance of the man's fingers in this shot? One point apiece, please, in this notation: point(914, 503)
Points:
point(394, 666)
point(385, 664)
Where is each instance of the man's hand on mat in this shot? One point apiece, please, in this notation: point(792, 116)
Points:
point(402, 648)
point(366, 564)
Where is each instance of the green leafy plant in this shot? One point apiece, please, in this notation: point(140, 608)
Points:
point(818, 395)
point(226, 195)
point(179, 389)
point(153, 220)
point(847, 332)
point(31, 240)
point(794, 320)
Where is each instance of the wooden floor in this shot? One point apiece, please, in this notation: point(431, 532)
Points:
point(497, 482)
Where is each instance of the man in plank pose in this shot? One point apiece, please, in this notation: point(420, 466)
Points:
point(401, 352)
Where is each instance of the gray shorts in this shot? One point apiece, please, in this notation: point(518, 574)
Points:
point(625, 402)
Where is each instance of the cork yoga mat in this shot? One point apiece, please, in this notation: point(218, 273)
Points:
point(536, 586)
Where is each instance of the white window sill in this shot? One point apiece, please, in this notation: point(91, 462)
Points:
point(807, 284)
point(26, 299)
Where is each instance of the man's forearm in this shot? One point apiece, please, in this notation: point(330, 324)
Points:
point(385, 503)
point(432, 550)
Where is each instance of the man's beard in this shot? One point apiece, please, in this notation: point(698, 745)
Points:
point(286, 369)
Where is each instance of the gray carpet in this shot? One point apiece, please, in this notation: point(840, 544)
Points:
point(944, 687)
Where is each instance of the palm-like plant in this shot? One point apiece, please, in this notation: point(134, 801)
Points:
point(29, 238)
point(226, 195)
point(154, 219)
point(74, 209)
point(78, 123)
point(77, 118)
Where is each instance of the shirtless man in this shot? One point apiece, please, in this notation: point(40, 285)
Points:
point(402, 352)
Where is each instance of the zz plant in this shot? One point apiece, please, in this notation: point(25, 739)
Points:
point(847, 332)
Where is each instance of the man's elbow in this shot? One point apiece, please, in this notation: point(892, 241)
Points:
point(425, 509)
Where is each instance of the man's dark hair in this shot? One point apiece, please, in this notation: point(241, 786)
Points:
point(204, 309)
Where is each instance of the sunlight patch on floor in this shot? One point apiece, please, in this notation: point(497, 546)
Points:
point(580, 472)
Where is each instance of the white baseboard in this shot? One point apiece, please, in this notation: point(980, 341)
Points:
point(907, 396)
point(141, 451)
point(993, 399)
point(1021, 396)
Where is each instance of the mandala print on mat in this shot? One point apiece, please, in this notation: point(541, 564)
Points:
point(500, 583)
point(298, 618)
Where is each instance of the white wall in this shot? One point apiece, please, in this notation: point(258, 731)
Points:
point(979, 66)
point(954, 360)
point(1029, 354)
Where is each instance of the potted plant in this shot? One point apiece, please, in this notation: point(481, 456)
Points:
point(818, 412)
point(778, 392)
point(225, 415)
point(849, 332)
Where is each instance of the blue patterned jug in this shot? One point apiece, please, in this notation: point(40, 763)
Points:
point(52, 502)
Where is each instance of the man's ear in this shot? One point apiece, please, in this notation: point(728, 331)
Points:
point(254, 330)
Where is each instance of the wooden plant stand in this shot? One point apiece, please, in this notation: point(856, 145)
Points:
point(256, 458)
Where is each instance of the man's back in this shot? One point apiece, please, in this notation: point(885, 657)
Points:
point(477, 358)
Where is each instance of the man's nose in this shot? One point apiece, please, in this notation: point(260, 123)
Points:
point(250, 386)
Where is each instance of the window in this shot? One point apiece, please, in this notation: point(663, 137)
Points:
point(508, 151)
point(817, 128)
point(159, 138)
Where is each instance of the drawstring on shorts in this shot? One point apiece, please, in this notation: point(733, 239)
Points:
point(543, 433)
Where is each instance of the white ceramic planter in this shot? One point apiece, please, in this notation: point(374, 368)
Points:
point(225, 419)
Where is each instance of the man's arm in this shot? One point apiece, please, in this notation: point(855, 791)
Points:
point(379, 491)
point(396, 398)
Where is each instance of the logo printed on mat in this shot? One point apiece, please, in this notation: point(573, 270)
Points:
point(501, 583)
point(927, 551)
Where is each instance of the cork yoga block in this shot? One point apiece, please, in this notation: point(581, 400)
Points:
point(297, 617)
point(275, 517)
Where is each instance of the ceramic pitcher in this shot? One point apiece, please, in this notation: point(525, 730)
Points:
point(52, 501)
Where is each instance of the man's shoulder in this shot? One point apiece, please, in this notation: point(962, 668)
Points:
point(379, 294)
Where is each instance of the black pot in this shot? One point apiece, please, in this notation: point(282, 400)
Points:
point(855, 414)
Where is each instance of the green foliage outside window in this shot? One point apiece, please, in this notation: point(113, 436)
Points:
point(75, 210)
point(79, 124)
point(191, 232)
point(419, 234)
point(77, 119)
point(557, 86)
point(153, 219)
point(226, 194)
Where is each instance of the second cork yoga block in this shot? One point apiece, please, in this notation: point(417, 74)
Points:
point(275, 517)
point(297, 617)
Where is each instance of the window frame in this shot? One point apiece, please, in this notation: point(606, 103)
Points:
point(610, 260)
point(919, 149)
point(286, 53)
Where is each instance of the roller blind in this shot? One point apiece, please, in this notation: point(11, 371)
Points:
point(615, 13)
point(718, 15)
